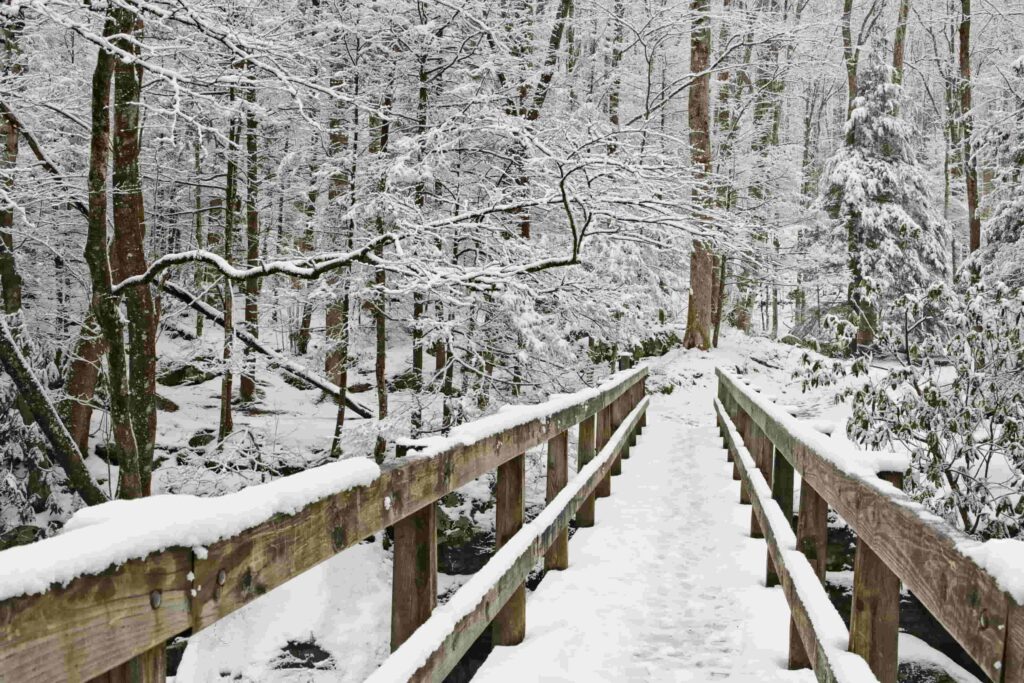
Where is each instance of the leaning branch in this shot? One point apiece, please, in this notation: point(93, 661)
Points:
point(303, 269)
point(302, 372)
point(65, 450)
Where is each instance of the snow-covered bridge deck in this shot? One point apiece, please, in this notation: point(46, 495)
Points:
point(668, 585)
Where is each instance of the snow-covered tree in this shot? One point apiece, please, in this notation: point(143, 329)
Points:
point(875, 191)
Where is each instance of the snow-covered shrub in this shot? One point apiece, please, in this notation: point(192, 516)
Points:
point(34, 496)
point(950, 391)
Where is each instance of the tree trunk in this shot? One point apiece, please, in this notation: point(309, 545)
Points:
point(227, 291)
point(338, 311)
point(108, 315)
point(128, 255)
point(10, 280)
point(850, 55)
point(702, 261)
point(900, 42)
point(380, 305)
point(967, 118)
point(200, 274)
point(247, 386)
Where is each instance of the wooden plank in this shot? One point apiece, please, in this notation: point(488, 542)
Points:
point(149, 667)
point(1013, 660)
point(96, 623)
point(604, 432)
point(798, 597)
point(875, 611)
point(921, 551)
point(585, 453)
point(509, 626)
point(414, 577)
point(812, 541)
point(617, 413)
point(450, 651)
point(557, 556)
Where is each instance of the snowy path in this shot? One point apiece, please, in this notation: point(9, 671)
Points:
point(667, 586)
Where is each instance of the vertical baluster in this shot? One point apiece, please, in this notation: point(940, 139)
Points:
point(812, 541)
point(557, 556)
point(875, 613)
point(509, 626)
point(414, 578)
point(585, 453)
point(604, 433)
point(149, 667)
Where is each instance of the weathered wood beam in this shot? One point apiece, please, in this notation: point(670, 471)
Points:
point(557, 556)
point(96, 623)
point(875, 610)
point(509, 626)
point(585, 453)
point(414, 577)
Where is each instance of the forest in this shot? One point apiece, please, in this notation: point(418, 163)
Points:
point(241, 239)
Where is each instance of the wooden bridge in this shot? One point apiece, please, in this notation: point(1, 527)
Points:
point(113, 626)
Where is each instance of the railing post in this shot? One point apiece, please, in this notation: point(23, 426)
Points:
point(875, 613)
point(643, 418)
point(812, 541)
point(509, 626)
point(149, 667)
point(757, 445)
point(617, 414)
point(782, 481)
point(414, 574)
point(584, 454)
point(634, 398)
point(604, 434)
point(557, 556)
point(742, 423)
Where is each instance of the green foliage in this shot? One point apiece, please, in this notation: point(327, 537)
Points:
point(951, 392)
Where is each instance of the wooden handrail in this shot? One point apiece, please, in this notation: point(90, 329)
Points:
point(897, 542)
point(121, 619)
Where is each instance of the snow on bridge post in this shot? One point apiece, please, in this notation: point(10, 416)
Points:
point(812, 541)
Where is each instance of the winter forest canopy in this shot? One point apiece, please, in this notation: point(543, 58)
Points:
point(240, 239)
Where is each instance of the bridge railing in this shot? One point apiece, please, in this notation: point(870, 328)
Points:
point(897, 542)
point(111, 623)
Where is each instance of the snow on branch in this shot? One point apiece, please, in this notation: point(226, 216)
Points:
point(308, 268)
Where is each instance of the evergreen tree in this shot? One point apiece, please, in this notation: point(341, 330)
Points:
point(876, 192)
point(1001, 257)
